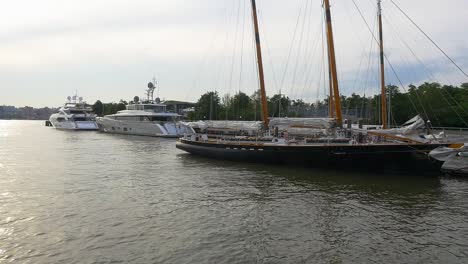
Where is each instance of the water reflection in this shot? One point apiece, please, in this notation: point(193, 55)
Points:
point(311, 179)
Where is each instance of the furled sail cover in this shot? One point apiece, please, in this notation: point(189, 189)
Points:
point(226, 125)
point(281, 123)
point(410, 127)
point(314, 123)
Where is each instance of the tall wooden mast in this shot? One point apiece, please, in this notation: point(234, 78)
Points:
point(382, 67)
point(265, 117)
point(331, 106)
point(331, 49)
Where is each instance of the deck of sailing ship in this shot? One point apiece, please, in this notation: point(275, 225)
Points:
point(325, 142)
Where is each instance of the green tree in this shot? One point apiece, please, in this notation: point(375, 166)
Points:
point(122, 105)
point(98, 108)
point(298, 108)
point(241, 107)
point(257, 105)
point(208, 107)
point(279, 105)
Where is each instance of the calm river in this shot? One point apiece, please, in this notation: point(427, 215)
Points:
point(88, 197)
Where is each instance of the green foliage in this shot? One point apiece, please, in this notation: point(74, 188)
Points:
point(240, 107)
point(279, 105)
point(108, 108)
point(208, 107)
point(98, 108)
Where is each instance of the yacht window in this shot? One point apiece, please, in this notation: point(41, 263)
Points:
point(139, 107)
point(60, 119)
point(155, 108)
point(161, 118)
point(144, 118)
point(128, 118)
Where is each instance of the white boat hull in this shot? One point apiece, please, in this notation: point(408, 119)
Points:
point(75, 125)
point(139, 128)
point(74, 115)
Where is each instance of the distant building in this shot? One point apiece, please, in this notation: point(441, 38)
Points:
point(179, 107)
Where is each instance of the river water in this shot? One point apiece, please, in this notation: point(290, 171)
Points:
point(89, 197)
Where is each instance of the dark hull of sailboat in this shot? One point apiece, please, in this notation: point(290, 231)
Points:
point(377, 158)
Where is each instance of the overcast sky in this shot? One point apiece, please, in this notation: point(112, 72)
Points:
point(110, 49)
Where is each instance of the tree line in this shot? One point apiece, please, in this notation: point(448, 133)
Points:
point(102, 109)
point(25, 113)
point(443, 105)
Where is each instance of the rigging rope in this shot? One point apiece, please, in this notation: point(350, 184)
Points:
point(429, 38)
point(388, 61)
point(432, 76)
point(306, 64)
point(309, 56)
point(234, 54)
point(360, 67)
point(291, 47)
point(242, 49)
point(299, 48)
point(265, 40)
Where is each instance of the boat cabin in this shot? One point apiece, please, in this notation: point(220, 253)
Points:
point(157, 108)
point(141, 118)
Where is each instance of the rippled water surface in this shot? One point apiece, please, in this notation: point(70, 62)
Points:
point(88, 197)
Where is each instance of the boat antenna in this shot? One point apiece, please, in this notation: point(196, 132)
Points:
point(261, 76)
point(331, 49)
point(382, 68)
point(156, 86)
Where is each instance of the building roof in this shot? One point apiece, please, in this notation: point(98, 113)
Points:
point(173, 102)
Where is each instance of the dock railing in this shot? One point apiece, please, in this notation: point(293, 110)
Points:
point(453, 131)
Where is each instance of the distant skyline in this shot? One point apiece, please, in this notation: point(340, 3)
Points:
point(110, 50)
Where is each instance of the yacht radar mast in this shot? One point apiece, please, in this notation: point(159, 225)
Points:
point(150, 91)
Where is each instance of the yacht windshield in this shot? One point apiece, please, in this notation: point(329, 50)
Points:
point(162, 118)
point(155, 108)
point(76, 111)
point(147, 118)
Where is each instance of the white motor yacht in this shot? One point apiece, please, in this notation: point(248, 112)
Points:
point(148, 118)
point(74, 115)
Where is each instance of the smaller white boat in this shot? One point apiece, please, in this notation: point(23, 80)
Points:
point(457, 165)
point(74, 115)
point(148, 118)
point(455, 159)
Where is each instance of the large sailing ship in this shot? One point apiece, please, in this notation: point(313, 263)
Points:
point(332, 142)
